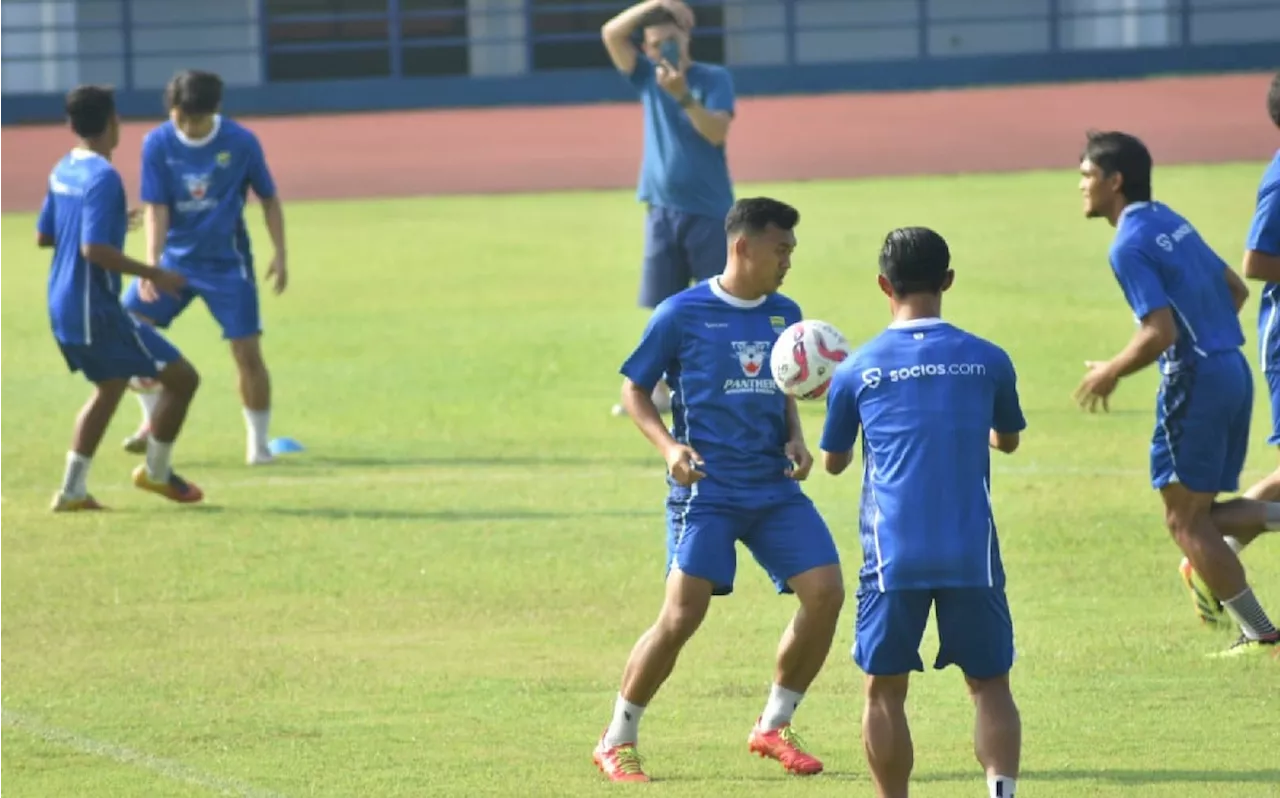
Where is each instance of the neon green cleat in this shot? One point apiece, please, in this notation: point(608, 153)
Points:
point(1244, 647)
point(1207, 606)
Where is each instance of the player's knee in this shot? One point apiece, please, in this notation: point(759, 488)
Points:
point(995, 686)
point(678, 621)
point(887, 691)
point(181, 378)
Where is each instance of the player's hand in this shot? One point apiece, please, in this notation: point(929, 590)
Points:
point(683, 464)
point(682, 13)
point(672, 80)
point(147, 290)
point(278, 273)
point(135, 219)
point(801, 460)
point(1097, 386)
point(164, 281)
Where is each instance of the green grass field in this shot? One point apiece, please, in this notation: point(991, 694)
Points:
point(437, 597)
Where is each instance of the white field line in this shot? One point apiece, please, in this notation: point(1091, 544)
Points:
point(127, 756)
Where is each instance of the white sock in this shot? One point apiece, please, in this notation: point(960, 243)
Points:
point(256, 421)
point(1000, 786)
point(625, 726)
point(1233, 544)
point(158, 458)
point(148, 402)
point(782, 705)
point(76, 478)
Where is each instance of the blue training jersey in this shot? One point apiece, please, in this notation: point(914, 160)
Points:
point(714, 349)
point(85, 204)
point(680, 169)
point(1264, 237)
point(1161, 261)
point(204, 184)
point(926, 396)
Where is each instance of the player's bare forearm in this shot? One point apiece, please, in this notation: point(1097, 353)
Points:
point(108, 257)
point(616, 35)
point(1239, 291)
point(836, 462)
point(155, 225)
point(273, 214)
point(639, 405)
point(711, 125)
point(1006, 442)
point(1261, 266)
point(1155, 334)
point(795, 430)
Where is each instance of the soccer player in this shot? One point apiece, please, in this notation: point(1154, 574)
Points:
point(735, 456)
point(1186, 300)
point(197, 169)
point(84, 219)
point(684, 176)
point(931, 399)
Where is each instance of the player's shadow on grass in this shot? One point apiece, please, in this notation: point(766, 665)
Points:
point(445, 516)
point(1127, 776)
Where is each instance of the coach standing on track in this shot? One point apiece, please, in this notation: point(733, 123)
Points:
point(684, 176)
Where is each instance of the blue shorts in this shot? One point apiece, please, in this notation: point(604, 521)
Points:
point(119, 348)
point(679, 249)
point(787, 537)
point(1201, 435)
point(1273, 385)
point(230, 294)
point(975, 631)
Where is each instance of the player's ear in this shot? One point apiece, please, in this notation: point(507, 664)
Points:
point(885, 285)
point(948, 279)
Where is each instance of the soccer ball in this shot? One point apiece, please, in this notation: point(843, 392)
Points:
point(144, 384)
point(805, 356)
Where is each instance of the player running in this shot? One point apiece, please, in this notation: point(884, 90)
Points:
point(197, 169)
point(931, 399)
point(85, 219)
point(735, 455)
point(1186, 301)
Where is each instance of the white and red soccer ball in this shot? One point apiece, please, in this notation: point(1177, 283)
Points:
point(805, 357)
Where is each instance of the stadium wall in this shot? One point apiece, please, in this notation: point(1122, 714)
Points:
point(324, 56)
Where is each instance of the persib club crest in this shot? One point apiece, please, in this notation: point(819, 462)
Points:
point(751, 355)
point(778, 324)
point(197, 185)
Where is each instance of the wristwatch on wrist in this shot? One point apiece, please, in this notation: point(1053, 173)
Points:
point(687, 100)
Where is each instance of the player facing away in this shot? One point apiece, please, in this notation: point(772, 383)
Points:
point(197, 169)
point(1186, 301)
point(931, 401)
point(85, 219)
point(684, 174)
point(735, 456)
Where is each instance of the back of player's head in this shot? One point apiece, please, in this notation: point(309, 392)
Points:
point(90, 110)
point(192, 92)
point(754, 215)
point(915, 260)
point(1115, 152)
point(1273, 100)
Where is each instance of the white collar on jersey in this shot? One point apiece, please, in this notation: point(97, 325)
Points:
point(730, 299)
point(190, 142)
point(911, 324)
point(81, 154)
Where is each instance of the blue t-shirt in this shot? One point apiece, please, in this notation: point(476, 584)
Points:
point(1264, 237)
point(204, 184)
point(1161, 261)
point(926, 396)
point(680, 169)
point(714, 349)
point(85, 204)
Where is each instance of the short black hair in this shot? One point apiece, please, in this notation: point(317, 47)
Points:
point(194, 92)
point(754, 214)
point(915, 260)
point(90, 110)
point(658, 16)
point(1113, 152)
point(1273, 100)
